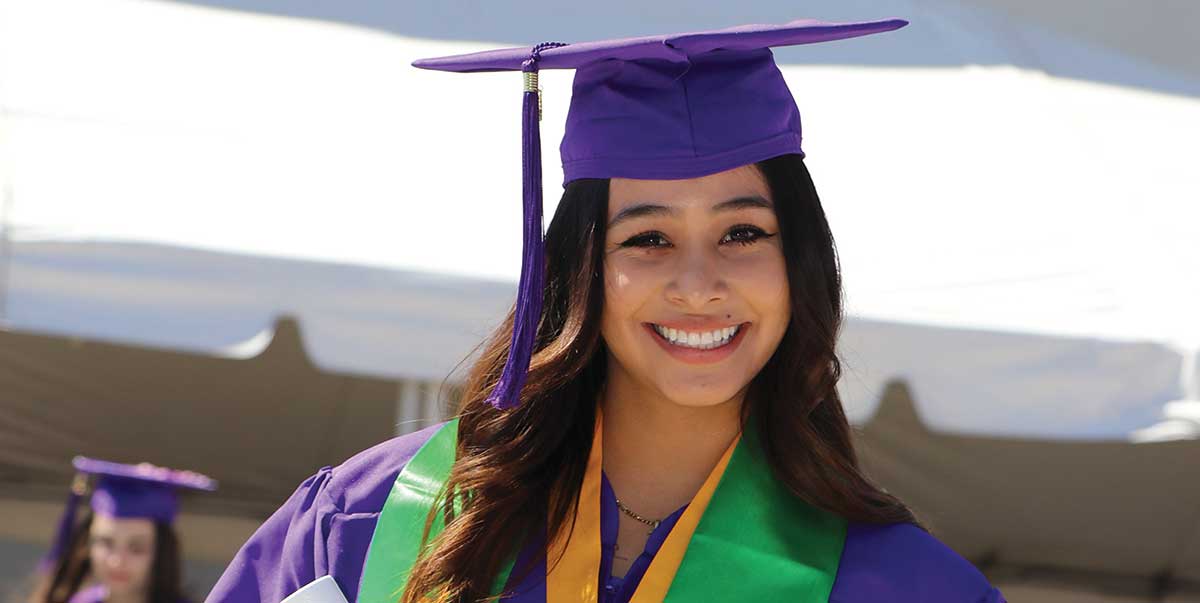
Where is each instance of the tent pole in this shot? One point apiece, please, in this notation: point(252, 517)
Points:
point(6, 205)
point(408, 406)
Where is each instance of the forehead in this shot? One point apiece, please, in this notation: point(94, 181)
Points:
point(122, 527)
point(742, 181)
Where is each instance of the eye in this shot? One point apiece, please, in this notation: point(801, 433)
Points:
point(646, 239)
point(745, 234)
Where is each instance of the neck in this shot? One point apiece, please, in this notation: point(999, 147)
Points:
point(657, 453)
point(125, 598)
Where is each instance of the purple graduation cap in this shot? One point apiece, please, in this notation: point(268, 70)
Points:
point(124, 491)
point(657, 107)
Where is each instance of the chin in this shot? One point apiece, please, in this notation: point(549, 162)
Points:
point(692, 396)
point(123, 589)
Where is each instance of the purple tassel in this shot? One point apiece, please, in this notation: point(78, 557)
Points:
point(507, 393)
point(66, 525)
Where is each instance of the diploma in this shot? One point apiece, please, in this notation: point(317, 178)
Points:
point(321, 590)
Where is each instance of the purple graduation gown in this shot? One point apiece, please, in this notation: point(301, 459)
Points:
point(92, 594)
point(327, 524)
point(96, 593)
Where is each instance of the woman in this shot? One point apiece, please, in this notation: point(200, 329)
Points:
point(659, 421)
point(124, 550)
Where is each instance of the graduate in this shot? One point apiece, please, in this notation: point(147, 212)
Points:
point(125, 549)
point(657, 417)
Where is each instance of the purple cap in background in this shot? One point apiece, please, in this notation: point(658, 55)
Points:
point(123, 491)
point(138, 491)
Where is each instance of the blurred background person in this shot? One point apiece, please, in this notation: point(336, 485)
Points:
point(123, 549)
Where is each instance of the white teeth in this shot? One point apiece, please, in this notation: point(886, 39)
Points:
point(704, 340)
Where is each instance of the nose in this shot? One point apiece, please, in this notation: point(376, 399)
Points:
point(118, 558)
point(698, 281)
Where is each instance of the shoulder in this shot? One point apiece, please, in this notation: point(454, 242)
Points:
point(361, 484)
point(91, 594)
point(902, 562)
point(325, 527)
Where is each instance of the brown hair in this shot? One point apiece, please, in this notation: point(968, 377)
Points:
point(518, 471)
point(69, 572)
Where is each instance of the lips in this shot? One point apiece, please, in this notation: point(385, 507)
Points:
point(700, 354)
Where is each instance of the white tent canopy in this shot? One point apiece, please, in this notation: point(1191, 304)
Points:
point(1019, 238)
point(410, 325)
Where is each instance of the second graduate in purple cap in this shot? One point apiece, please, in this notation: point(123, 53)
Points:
point(658, 418)
point(125, 549)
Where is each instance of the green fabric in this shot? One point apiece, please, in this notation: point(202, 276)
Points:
point(397, 538)
point(755, 542)
point(758, 542)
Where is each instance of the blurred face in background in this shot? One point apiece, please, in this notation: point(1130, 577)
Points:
point(122, 551)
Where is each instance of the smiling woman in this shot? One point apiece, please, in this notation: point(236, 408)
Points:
point(657, 418)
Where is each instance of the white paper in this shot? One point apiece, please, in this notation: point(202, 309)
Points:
point(321, 590)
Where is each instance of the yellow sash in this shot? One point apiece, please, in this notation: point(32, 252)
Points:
point(574, 572)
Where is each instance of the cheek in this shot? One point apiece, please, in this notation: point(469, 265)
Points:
point(99, 556)
point(138, 565)
point(142, 561)
point(627, 286)
point(762, 281)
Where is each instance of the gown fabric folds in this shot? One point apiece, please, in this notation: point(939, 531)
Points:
point(326, 526)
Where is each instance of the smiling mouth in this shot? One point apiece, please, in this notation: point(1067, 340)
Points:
point(698, 340)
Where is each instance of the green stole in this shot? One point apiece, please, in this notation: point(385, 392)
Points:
point(755, 541)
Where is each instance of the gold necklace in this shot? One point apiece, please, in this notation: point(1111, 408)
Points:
point(653, 523)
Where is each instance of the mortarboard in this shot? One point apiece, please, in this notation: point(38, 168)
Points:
point(124, 491)
point(656, 107)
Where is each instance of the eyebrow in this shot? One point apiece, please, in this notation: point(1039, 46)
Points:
point(641, 210)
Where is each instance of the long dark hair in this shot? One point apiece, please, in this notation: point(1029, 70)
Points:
point(519, 471)
point(69, 572)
